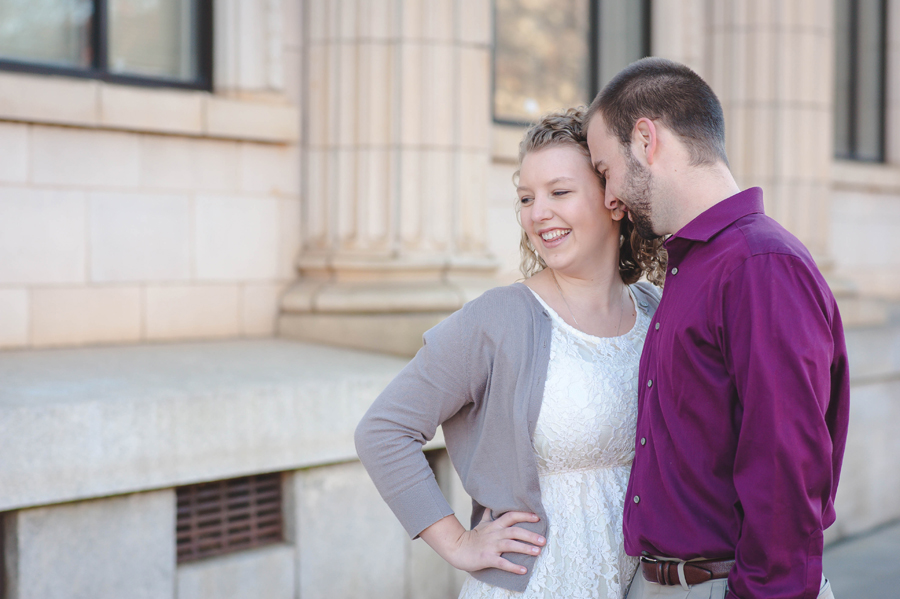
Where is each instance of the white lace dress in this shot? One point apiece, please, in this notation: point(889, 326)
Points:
point(584, 441)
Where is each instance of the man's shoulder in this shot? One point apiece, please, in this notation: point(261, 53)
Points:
point(761, 235)
point(772, 253)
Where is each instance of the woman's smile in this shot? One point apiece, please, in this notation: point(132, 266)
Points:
point(554, 237)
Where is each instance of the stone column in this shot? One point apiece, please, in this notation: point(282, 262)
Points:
point(771, 64)
point(396, 151)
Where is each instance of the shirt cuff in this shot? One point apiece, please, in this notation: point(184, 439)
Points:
point(420, 506)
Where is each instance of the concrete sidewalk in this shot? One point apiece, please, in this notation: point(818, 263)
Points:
point(866, 566)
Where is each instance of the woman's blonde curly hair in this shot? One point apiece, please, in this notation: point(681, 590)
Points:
point(637, 256)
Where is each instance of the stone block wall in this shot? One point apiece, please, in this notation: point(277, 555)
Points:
point(342, 542)
point(132, 214)
point(118, 547)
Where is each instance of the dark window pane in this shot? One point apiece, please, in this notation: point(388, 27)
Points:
point(542, 57)
point(622, 36)
point(56, 32)
point(859, 79)
point(155, 38)
point(870, 81)
point(843, 41)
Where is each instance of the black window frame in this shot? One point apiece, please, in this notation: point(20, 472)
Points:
point(99, 68)
point(593, 50)
point(853, 152)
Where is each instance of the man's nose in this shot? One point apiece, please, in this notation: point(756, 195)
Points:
point(610, 201)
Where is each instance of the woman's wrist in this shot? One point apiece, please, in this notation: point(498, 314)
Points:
point(444, 537)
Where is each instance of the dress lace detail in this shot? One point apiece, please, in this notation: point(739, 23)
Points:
point(584, 442)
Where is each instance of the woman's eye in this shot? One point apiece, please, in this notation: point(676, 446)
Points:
point(526, 200)
point(560, 192)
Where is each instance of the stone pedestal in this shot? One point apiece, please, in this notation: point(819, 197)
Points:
point(396, 153)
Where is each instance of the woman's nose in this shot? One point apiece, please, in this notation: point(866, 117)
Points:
point(540, 210)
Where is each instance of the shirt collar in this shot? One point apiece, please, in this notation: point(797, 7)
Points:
point(716, 218)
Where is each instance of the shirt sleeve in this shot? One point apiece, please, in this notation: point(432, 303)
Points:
point(777, 337)
point(433, 387)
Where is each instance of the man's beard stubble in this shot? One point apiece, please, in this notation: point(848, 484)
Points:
point(638, 183)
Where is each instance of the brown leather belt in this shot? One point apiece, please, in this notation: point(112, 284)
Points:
point(666, 572)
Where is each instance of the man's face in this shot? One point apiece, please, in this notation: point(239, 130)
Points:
point(627, 180)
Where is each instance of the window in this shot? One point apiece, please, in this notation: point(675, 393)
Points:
point(229, 515)
point(143, 42)
point(859, 95)
point(554, 54)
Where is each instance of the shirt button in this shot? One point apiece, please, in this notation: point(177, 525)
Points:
point(657, 326)
point(637, 499)
point(650, 383)
point(643, 440)
point(674, 270)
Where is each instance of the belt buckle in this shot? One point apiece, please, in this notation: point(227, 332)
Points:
point(662, 569)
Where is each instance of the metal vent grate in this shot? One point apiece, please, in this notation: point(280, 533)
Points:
point(228, 515)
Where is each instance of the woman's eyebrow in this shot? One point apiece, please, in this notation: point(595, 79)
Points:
point(553, 181)
point(558, 179)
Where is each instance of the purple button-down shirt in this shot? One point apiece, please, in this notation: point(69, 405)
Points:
point(743, 406)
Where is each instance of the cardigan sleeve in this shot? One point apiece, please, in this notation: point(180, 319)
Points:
point(433, 387)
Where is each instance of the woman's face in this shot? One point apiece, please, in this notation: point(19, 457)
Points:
point(562, 210)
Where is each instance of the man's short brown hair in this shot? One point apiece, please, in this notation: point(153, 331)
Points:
point(670, 92)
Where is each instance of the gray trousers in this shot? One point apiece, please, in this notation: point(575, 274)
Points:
point(712, 589)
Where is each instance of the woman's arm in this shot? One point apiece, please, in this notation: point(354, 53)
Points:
point(449, 372)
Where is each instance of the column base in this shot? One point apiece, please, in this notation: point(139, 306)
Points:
point(393, 333)
point(382, 312)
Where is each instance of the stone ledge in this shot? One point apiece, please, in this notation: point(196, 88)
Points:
point(865, 176)
point(99, 105)
point(84, 423)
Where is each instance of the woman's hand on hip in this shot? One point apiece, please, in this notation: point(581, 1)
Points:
point(481, 547)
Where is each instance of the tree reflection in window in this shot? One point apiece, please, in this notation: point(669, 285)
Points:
point(554, 54)
point(542, 59)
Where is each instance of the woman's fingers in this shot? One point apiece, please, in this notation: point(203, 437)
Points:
point(510, 546)
point(510, 518)
point(507, 522)
point(505, 564)
point(483, 546)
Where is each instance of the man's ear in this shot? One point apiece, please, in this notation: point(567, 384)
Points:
point(644, 139)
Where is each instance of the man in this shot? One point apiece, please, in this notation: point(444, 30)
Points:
point(744, 387)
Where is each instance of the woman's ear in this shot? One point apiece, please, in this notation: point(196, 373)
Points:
point(616, 208)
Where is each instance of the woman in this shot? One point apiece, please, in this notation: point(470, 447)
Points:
point(535, 385)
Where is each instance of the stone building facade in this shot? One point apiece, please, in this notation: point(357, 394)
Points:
point(203, 285)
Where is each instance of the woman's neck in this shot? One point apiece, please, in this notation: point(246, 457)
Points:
point(596, 304)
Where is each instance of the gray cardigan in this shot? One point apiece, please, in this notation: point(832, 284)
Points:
point(480, 374)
